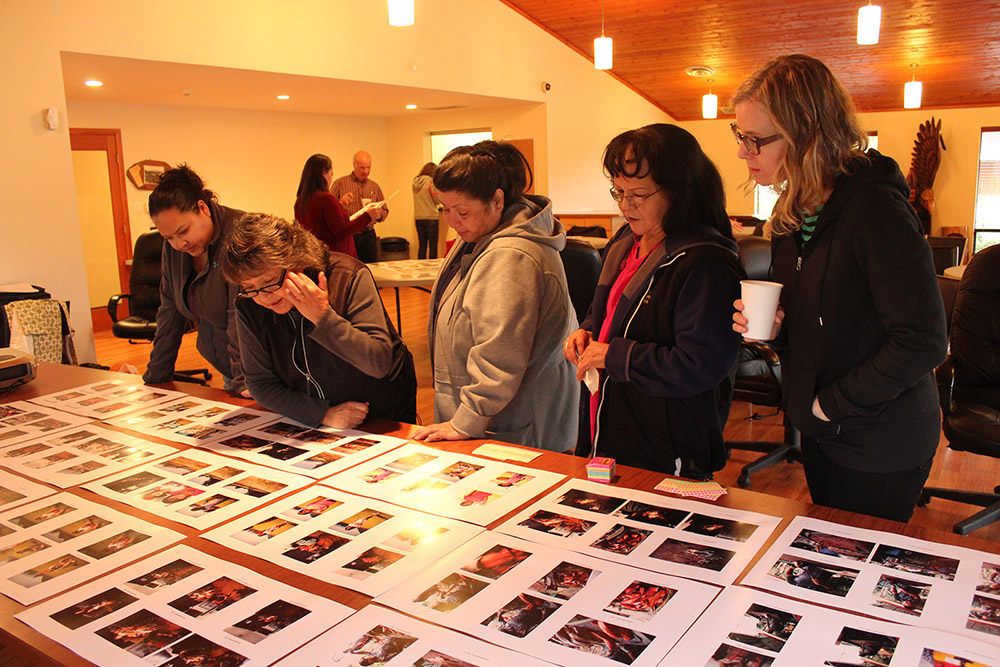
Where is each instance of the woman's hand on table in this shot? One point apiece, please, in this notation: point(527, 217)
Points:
point(348, 414)
point(575, 345)
point(443, 431)
point(740, 322)
point(592, 357)
point(308, 298)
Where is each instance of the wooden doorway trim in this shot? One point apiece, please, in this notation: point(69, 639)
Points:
point(110, 141)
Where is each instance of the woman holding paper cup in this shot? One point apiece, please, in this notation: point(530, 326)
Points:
point(659, 334)
point(861, 325)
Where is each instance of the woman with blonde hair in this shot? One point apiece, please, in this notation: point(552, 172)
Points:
point(316, 341)
point(425, 212)
point(860, 327)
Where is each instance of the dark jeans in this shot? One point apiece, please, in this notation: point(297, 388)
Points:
point(427, 239)
point(366, 243)
point(888, 495)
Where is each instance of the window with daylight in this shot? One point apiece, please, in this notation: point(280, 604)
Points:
point(987, 217)
point(764, 197)
point(442, 142)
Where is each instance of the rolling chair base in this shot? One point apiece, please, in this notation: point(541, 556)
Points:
point(774, 452)
point(991, 501)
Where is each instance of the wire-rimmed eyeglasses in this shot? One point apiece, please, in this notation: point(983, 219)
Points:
point(266, 289)
point(752, 144)
point(635, 201)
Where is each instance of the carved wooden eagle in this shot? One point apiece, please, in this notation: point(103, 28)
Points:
point(926, 156)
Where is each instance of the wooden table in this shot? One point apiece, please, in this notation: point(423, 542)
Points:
point(419, 273)
point(54, 377)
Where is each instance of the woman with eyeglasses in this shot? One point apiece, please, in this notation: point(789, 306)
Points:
point(861, 326)
point(317, 344)
point(192, 289)
point(659, 333)
point(500, 308)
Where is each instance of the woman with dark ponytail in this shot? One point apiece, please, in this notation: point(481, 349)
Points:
point(500, 309)
point(192, 287)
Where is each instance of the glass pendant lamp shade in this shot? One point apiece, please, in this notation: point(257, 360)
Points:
point(400, 12)
point(912, 92)
point(710, 106)
point(869, 22)
point(602, 52)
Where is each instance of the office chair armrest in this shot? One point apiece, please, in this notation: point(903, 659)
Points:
point(945, 376)
point(764, 351)
point(113, 305)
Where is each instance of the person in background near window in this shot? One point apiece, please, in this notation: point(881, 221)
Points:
point(352, 190)
point(425, 212)
point(322, 214)
point(500, 308)
point(659, 330)
point(192, 288)
point(861, 325)
point(317, 344)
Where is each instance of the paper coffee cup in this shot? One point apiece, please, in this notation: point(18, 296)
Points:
point(760, 303)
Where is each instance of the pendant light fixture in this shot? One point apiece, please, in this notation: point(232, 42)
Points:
point(603, 51)
point(709, 103)
point(869, 22)
point(401, 12)
point(913, 91)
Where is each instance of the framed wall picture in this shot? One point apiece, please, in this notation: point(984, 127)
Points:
point(146, 174)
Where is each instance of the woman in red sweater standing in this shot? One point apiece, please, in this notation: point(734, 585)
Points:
point(322, 214)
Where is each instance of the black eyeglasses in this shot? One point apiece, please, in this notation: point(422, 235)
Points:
point(266, 289)
point(752, 144)
point(635, 201)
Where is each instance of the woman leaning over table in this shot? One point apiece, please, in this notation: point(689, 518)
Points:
point(500, 308)
point(861, 326)
point(322, 214)
point(425, 212)
point(659, 330)
point(192, 287)
point(317, 344)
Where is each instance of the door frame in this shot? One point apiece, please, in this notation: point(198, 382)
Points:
point(110, 141)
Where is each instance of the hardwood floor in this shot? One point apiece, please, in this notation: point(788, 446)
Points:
point(951, 469)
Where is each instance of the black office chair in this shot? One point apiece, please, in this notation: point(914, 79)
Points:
point(582, 263)
point(946, 251)
point(758, 375)
point(144, 300)
point(969, 382)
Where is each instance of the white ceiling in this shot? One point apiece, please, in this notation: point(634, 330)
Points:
point(149, 82)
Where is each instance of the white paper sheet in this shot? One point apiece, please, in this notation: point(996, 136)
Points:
point(60, 541)
point(80, 455)
point(886, 575)
point(182, 607)
point(316, 452)
point(196, 488)
point(747, 627)
point(553, 604)
point(193, 421)
point(448, 484)
point(358, 543)
point(16, 491)
point(21, 420)
point(660, 533)
point(379, 636)
point(108, 398)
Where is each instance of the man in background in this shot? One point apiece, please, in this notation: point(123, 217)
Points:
point(354, 191)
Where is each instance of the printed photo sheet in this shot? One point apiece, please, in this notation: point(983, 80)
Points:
point(80, 455)
point(747, 627)
point(63, 540)
point(379, 636)
point(196, 488)
point(21, 420)
point(647, 530)
point(359, 543)
point(15, 491)
point(108, 398)
point(459, 486)
point(183, 607)
point(886, 575)
point(557, 605)
point(193, 421)
point(317, 452)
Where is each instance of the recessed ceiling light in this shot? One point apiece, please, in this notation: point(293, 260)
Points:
point(284, 97)
point(411, 106)
point(93, 83)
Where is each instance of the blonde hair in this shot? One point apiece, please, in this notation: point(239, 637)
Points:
point(259, 242)
point(815, 115)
